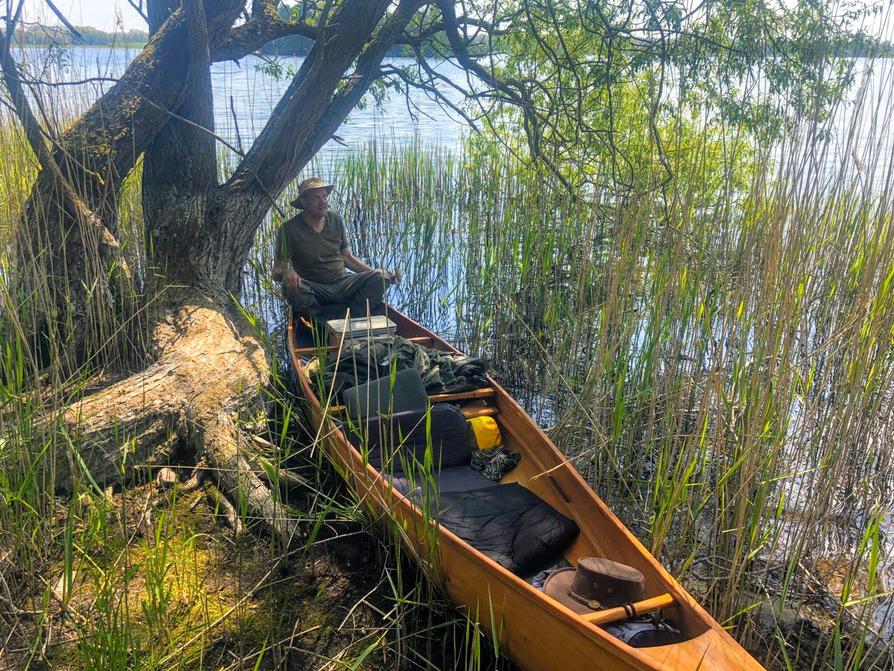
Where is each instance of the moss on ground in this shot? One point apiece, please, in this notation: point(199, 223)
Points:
point(159, 583)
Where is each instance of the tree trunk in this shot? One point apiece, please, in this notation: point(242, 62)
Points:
point(206, 382)
point(180, 171)
point(68, 280)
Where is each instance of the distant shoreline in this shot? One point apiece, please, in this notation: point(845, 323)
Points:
point(39, 36)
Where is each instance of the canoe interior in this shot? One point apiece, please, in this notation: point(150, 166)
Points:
point(544, 471)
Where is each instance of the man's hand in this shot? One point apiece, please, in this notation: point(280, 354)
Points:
point(394, 276)
point(291, 280)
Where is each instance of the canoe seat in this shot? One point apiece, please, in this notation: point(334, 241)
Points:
point(329, 311)
point(310, 330)
point(508, 523)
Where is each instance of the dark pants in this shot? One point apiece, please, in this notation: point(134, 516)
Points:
point(356, 290)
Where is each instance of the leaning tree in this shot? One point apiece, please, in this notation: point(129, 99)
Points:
point(206, 365)
point(203, 363)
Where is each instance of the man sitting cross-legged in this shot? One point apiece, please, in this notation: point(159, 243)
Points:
point(312, 257)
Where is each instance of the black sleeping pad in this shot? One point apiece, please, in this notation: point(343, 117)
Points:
point(455, 479)
point(508, 523)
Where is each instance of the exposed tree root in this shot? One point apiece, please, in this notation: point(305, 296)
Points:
point(208, 375)
point(225, 449)
point(223, 508)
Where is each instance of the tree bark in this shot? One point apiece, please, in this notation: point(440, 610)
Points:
point(180, 167)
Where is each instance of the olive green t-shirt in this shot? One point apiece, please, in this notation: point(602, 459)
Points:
point(314, 256)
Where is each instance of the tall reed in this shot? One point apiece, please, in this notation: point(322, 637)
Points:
point(713, 354)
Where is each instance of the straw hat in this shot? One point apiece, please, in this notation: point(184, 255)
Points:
point(309, 184)
point(594, 584)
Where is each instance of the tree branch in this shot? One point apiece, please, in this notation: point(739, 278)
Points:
point(432, 91)
point(262, 27)
point(254, 34)
point(158, 11)
point(33, 130)
point(273, 160)
point(514, 91)
point(366, 72)
point(138, 6)
point(183, 156)
point(61, 17)
point(102, 146)
point(106, 242)
point(180, 166)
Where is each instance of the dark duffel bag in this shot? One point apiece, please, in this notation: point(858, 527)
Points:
point(644, 633)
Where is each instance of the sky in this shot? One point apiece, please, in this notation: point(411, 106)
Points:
point(102, 14)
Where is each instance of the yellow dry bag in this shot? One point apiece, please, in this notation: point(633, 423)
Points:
point(487, 433)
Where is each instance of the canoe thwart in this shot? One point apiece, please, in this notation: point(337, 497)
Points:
point(468, 413)
point(480, 411)
point(623, 613)
point(486, 392)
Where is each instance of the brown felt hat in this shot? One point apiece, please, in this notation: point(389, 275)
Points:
point(308, 185)
point(594, 584)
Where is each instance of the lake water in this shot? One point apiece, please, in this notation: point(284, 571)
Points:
point(860, 141)
point(245, 95)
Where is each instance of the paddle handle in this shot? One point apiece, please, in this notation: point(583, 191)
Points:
point(620, 613)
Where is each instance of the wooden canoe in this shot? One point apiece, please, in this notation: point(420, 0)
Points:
point(538, 632)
